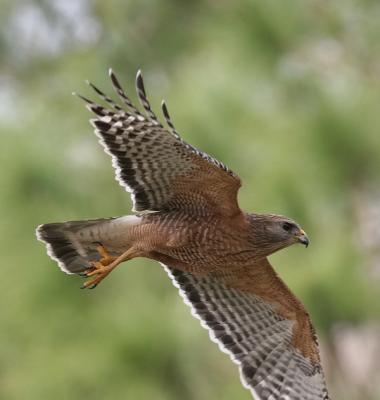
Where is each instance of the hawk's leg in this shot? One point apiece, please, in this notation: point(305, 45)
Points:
point(100, 269)
point(106, 258)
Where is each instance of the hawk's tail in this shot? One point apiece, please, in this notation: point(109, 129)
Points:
point(74, 244)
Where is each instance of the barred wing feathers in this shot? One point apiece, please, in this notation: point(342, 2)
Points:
point(256, 336)
point(160, 169)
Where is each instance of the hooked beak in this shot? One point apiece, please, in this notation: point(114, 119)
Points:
point(302, 237)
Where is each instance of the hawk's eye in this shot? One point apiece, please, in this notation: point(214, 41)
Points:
point(286, 226)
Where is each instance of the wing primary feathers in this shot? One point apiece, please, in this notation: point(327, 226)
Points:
point(82, 97)
point(151, 161)
point(121, 93)
point(168, 120)
point(143, 99)
point(247, 328)
point(105, 97)
point(94, 107)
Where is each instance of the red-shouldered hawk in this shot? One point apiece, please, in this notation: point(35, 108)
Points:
point(189, 220)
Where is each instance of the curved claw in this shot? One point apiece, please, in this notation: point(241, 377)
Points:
point(93, 286)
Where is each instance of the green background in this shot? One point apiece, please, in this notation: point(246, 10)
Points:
point(286, 94)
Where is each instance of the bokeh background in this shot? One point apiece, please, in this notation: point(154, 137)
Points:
point(286, 95)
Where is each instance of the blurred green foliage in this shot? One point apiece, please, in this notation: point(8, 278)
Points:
point(284, 95)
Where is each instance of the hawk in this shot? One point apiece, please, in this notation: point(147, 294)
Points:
point(187, 218)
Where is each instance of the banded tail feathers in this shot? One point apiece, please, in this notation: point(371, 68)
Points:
point(73, 245)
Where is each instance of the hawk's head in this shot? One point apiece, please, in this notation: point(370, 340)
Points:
point(275, 232)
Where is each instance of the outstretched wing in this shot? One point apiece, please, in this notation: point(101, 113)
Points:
point(255, 318)
point(153, 163)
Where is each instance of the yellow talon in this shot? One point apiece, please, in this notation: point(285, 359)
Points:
point(106, 259)
point(100, 269)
